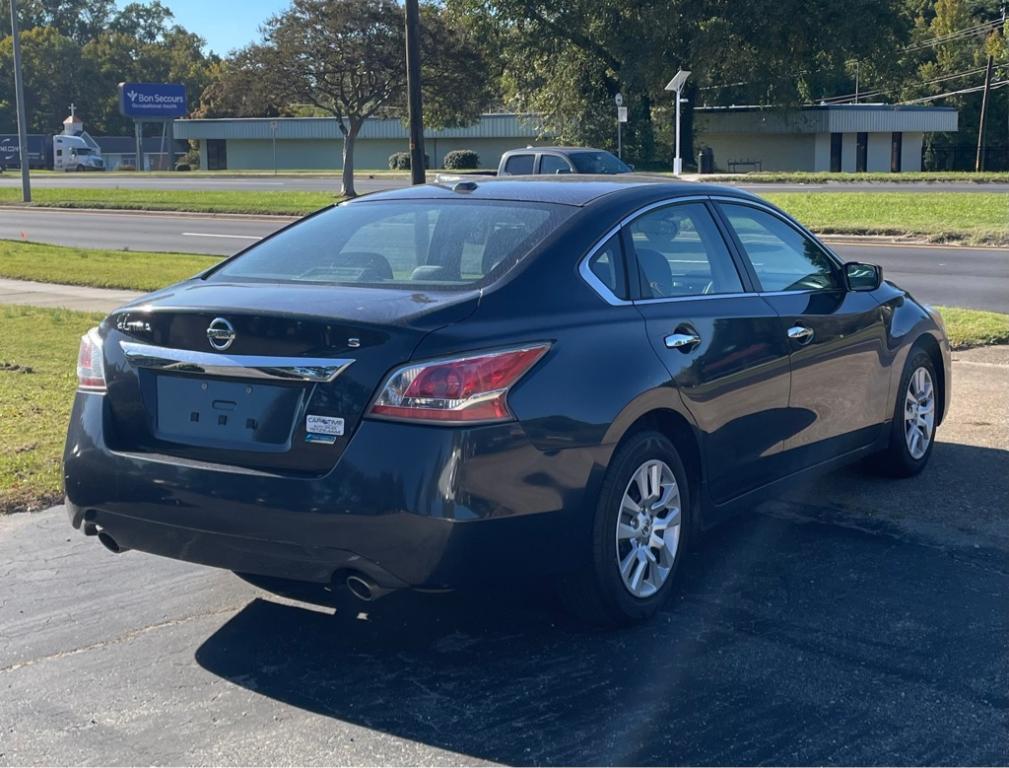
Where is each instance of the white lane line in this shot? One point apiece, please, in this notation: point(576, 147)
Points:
point(215, 234)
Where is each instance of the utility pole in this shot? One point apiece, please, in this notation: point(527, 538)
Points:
point(417, 173)
point(19, 89)
point(979, 160)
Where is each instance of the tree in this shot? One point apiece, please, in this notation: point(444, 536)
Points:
point(943, 59)
point(567, 59)
point(346, 58)
point(77, 51)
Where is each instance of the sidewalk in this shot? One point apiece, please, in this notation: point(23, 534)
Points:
point(76, 297)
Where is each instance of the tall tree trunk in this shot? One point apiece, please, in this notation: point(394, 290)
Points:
point(347, 186)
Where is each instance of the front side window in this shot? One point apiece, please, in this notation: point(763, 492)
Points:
point(680, 252)
point(783, 258)
point(551, 164)
point(450, 243)
point(519, 165)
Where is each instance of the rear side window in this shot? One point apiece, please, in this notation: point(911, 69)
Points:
point(607, 265)
point(680, 252)
point(400, 243)
point(552, 164)
point(783, 258)
point(519, 165)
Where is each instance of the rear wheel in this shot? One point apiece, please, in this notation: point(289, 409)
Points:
point(912, 431)
point(639, 531)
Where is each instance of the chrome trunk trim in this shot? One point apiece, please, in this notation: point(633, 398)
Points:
point(311, 369)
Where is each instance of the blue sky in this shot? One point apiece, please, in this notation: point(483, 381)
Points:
point(224, 24)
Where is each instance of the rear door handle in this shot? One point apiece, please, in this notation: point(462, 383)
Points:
point(801, 334)
point(682, 341)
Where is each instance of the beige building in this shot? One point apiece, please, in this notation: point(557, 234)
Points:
point(842, 137)
point(289, 143)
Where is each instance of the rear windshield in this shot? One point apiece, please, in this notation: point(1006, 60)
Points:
point(400, 243)
point(598, 162)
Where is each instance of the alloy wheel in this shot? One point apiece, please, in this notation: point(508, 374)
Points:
point(919, 413)
point(648, 528)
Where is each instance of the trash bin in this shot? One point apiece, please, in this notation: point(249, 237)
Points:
point(706, 160)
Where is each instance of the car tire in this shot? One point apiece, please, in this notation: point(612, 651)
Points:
point(602, 591)
point(910, 447)
point(81, 169)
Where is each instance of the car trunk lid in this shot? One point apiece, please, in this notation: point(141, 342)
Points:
point(280, 381)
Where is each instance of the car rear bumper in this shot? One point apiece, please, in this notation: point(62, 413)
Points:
point(406, 505)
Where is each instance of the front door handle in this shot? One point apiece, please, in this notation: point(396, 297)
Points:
point(801, 334)
point(682, 341)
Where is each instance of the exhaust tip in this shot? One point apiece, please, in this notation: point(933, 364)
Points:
point(110, 544)
point(361, 588)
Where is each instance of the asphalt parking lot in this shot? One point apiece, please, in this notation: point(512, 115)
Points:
point(856, 621)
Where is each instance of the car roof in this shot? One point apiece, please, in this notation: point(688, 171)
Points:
point(575, 190)
point(554, 149)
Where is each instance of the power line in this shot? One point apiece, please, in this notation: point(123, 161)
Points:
point(880, 91)
point(929, 43)
point(954, 36)
point(975, 89)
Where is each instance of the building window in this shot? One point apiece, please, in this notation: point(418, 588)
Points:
point(861, 152)
point(836, 139)
point(217, 155)
point(896, 148)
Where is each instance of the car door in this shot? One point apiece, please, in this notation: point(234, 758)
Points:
point(551, 164)
point(720, 342)
point(519, 164)
point(836, 337)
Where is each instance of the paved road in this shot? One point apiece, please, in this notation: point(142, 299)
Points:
point(966, 277)
point(847, 624)
point(331, 183)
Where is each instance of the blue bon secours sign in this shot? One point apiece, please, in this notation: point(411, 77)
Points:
point(154, 101)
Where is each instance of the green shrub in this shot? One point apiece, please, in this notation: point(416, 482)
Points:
point(462, 160)
point(182, 167)
point(400, 161)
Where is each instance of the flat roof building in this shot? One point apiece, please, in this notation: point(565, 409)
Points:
point(316, 142)
point(834, 137)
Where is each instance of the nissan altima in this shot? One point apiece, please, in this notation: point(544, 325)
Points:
point(562, 379)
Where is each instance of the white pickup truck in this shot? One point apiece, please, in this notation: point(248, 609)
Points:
point(535, 161)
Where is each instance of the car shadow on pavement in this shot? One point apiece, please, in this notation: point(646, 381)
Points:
point(789, 640)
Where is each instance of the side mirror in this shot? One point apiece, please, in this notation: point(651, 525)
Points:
point(863, 277)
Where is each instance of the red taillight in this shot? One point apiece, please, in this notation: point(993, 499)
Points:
point(463, 389)
point(90, 365)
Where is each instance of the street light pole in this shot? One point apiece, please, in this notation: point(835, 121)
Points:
point(19, 89)
point(676, 85)
point(417, 174)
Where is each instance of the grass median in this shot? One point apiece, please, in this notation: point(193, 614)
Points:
point(98, 267)
point(910, 177)
point(977, 218)
point(266, 202)
point(37, 383)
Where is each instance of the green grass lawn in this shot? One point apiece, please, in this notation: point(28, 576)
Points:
point(974, 327)
point(102, 268)
point(268, 202)
point(975, 217)
point(37, 383)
